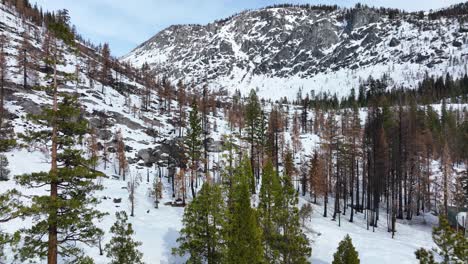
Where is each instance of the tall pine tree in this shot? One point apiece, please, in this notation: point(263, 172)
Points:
point(269, 207)
point(122, 249)
point(244, 242)
point(193, 143)
point(66, 215)
point(202, 235)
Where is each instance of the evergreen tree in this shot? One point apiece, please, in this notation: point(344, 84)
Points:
point(105, 74)
point(293, 245)
point(193, 142)
point(25, 58)
point(253, 118)
point(122, 249)
point(202, 235)
point(10, 205)
point(452, 246)
point(346, 253)
point(244, 245)
point(67, 215)
point(268, 209)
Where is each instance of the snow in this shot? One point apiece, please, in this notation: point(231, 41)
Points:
point(425, 38)
point(462, 218)
point(159, 228)
point(373, 247)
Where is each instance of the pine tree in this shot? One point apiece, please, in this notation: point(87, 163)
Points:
point(193, 143)
point(10, 205)
point(122, 249)
point(25, 58)
point(446, 168)
point(329, 145)
point(105, 74)
point(452, 246)
point(288, 164)
point(244, 244)
point(67, 215)
point(268, 209)
point(293, 245)
point(346, 253)
point(202, 237)
point(253, 116)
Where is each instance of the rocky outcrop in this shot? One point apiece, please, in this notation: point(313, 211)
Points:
point(167, 152)
point(294, 41)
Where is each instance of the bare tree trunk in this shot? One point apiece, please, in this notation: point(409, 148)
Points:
point(52, 242)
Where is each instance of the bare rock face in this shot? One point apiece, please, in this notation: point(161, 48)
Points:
point(297, 41)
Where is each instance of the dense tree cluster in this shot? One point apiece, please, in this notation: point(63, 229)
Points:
point(223, 226)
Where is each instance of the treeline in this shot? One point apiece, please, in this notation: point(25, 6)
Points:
point(431, 90)
point(327, 8)
point(458, 10)
point(34, 13)
point(97, 54)
point(392, 13)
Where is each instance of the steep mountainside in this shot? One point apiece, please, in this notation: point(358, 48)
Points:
point(280, 49)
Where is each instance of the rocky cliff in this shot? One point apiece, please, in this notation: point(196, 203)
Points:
point(281, 49)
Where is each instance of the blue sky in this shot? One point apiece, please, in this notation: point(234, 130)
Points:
point(124, 24)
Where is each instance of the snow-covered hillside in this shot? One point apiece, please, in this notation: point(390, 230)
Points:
point(279, 50)
point(267, 49)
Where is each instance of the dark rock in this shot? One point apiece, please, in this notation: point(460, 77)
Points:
point(457, 43)
point(394, 42)
point(420, 58)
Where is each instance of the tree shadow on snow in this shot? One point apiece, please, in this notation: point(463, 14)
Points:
point(170, 238)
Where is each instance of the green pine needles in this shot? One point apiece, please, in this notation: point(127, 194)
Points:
point(202, 237)
point(452, 246)
point(222, 226)
point(346, 253)
point(67, 212)
point(122, 249)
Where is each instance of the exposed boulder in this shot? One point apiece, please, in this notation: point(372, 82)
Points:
point(394, 42)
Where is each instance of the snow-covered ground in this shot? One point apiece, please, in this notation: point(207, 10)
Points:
point(373, 247)
point(159, 228)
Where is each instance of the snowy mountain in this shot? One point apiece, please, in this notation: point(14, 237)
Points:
point(278, 50)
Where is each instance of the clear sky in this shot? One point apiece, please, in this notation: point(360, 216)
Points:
point(125, 23)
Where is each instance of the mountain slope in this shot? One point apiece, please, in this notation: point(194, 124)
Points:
point(280, 49)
